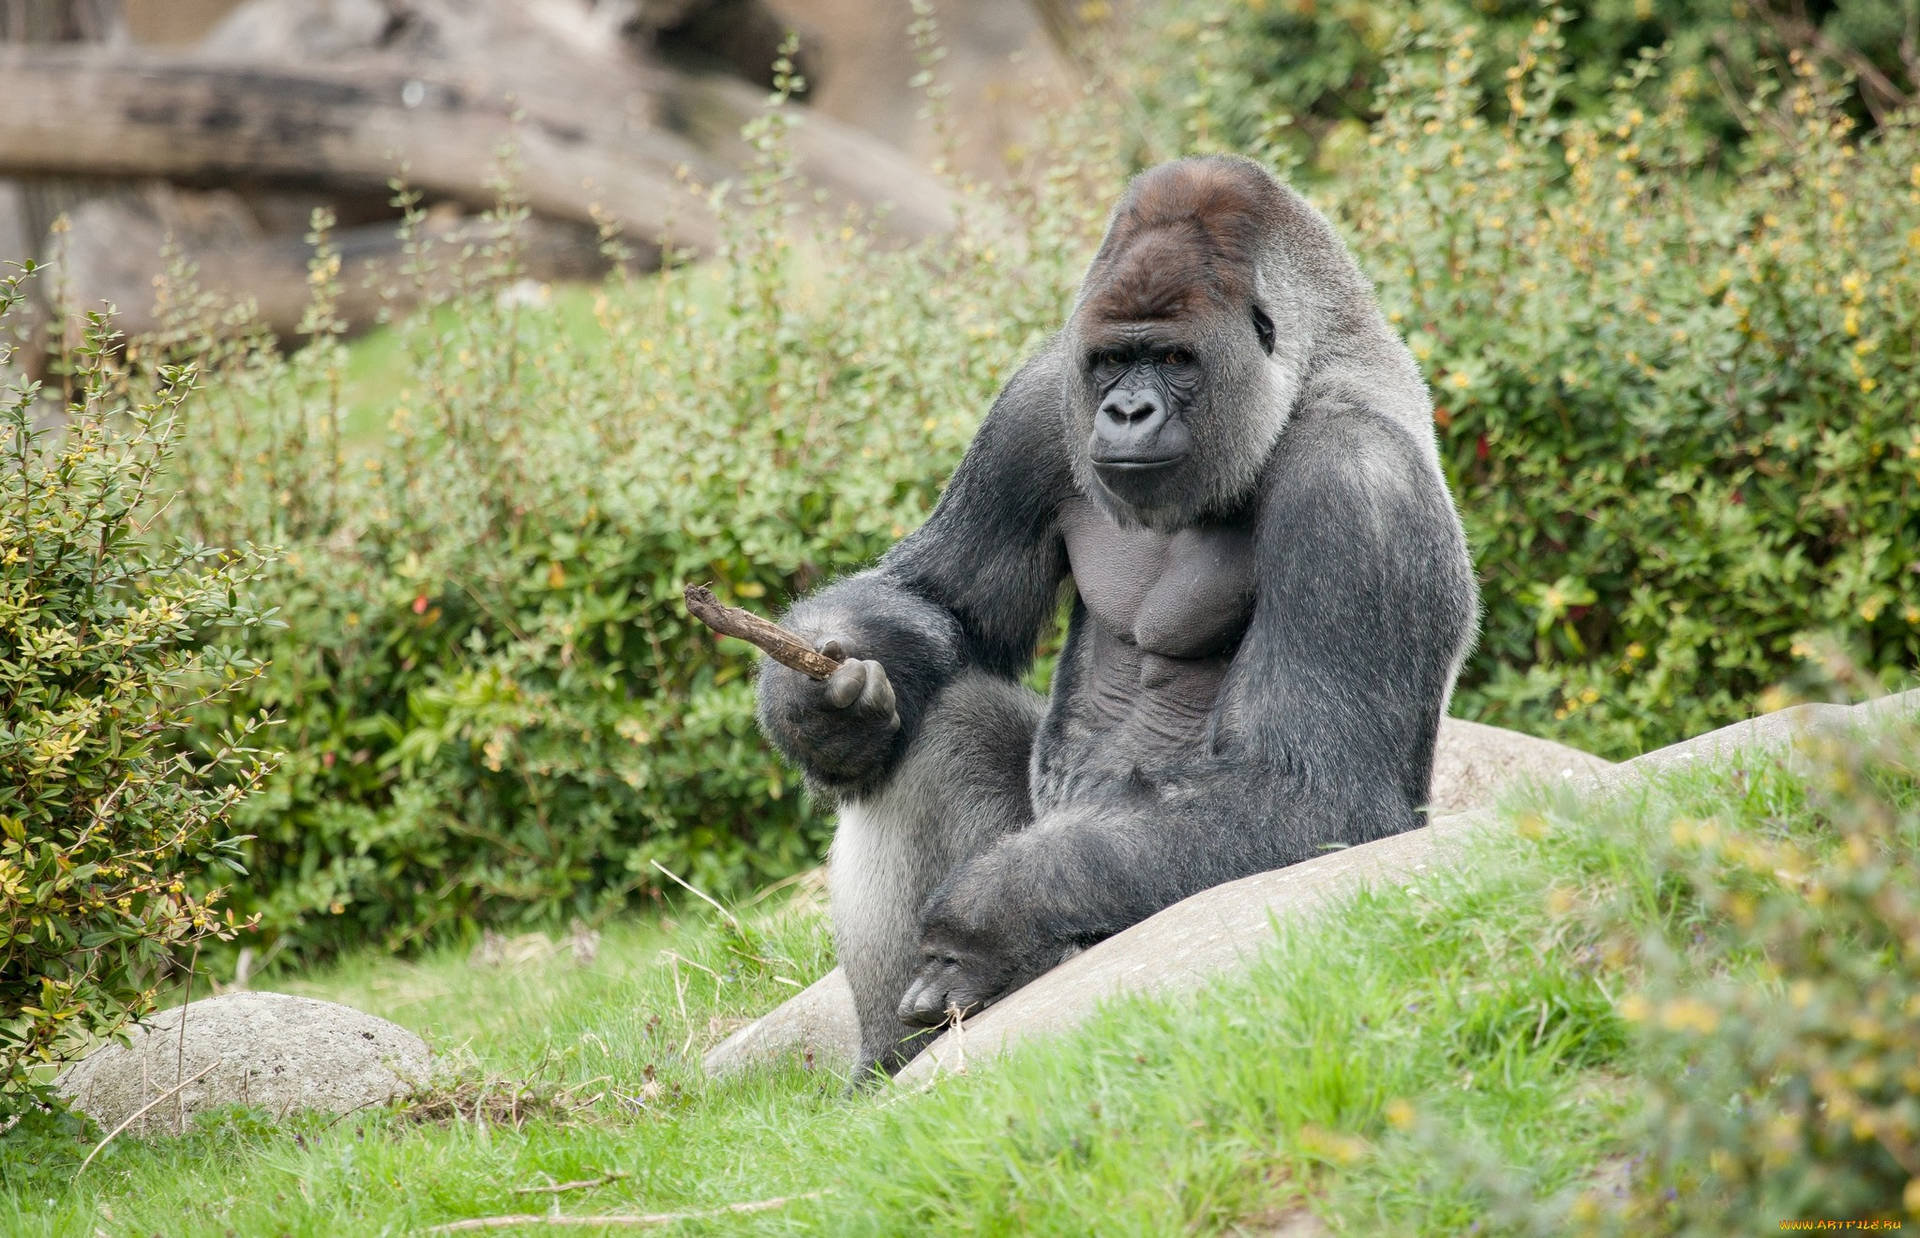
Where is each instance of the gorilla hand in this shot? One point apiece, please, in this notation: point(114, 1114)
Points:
point(969, 959)
point(959, 984)
point(841, 730)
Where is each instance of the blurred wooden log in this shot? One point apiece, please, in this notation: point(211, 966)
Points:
point(350, 125)
point(112, 251)
point(29, 206)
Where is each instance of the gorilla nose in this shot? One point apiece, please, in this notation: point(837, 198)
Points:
point(1133, 431)
point(1132, 407)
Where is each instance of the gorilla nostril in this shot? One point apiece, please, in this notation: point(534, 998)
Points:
point(1132, 406)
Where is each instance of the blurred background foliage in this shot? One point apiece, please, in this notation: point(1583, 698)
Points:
point(1671, 329)
point(1298, 81)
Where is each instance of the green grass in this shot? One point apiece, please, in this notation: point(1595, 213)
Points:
point(1402, 1067)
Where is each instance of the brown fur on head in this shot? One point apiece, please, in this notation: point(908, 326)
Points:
point(1194, 263)
point(1184, 239)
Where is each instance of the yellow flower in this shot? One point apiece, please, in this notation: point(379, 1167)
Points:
point(1689, 1014)
point(1399, 1114)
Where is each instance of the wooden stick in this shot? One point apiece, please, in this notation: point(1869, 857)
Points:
point(631, 1219)
point(780, 645)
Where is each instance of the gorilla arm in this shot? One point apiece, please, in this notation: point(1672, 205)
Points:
point(1323, 735)
point(972, 587)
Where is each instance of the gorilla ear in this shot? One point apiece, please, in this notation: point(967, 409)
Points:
point(1263, 327)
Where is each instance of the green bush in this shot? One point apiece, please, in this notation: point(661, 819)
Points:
point(1300, 79)
point(1674, 398)
point(495, 705)
point(110, 641)
point(1677, 409)
point(1786, 1086)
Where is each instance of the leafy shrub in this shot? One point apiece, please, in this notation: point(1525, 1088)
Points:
point(1301, 79)
point(1789, 1088)
point(1673, 398)
point(1794, 1091)
point(109, 642)
point(1677, 410)
point(495, 705)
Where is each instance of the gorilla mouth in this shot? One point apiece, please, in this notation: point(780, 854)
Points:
point(1137, 464)
point(1138, 449)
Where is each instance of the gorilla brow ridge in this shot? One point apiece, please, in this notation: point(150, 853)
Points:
point(1187, 234)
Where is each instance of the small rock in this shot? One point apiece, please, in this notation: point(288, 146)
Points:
point(271, 1051)
point(818, 1020)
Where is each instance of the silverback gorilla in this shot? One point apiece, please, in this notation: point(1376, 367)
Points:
point(1231, 455)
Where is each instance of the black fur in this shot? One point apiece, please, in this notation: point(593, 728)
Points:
point(1231, 455)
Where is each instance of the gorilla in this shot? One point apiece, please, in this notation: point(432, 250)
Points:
point(1230, 455)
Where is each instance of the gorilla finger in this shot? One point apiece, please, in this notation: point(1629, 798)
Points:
point(846, 683)
point(833, 647)
point(877, 698)
point(923, 1005)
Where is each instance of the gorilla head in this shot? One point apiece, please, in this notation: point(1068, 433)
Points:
point(1187, 345)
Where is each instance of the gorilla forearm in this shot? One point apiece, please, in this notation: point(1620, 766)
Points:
point(1084, 874)
point(973, 587)
point(872, 617)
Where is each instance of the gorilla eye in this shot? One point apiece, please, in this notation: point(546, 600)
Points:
point(1263, 327)
point(1177, 356)
point(1111, 358)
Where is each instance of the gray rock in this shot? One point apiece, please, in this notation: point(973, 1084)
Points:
point(269, 1050)
point(1768, 731)
point(1190, 942)
point(1193, 941)
point(1473, 764)
point(818, 1018)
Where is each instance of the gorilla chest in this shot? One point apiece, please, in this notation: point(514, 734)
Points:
point(1183, 595)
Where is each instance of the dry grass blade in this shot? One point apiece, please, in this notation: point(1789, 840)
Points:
point(579, 1185)
point(498, 1102)
point(702, 895)
point(135, 1116)
point(634, 1220)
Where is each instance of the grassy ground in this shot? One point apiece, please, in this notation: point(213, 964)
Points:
point(1399, 1068)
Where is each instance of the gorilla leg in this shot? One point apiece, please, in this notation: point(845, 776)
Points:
point(961, 787)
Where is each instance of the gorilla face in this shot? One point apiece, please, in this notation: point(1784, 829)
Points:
point(1162, 417)
point(1180, 383)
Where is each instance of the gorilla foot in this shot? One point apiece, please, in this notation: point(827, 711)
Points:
point(949, 989)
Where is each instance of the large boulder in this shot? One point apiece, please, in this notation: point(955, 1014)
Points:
point(1188, 944)
point(272, 1051)
point(1473, 764)
point(1195, 940)
point(817, 1020)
